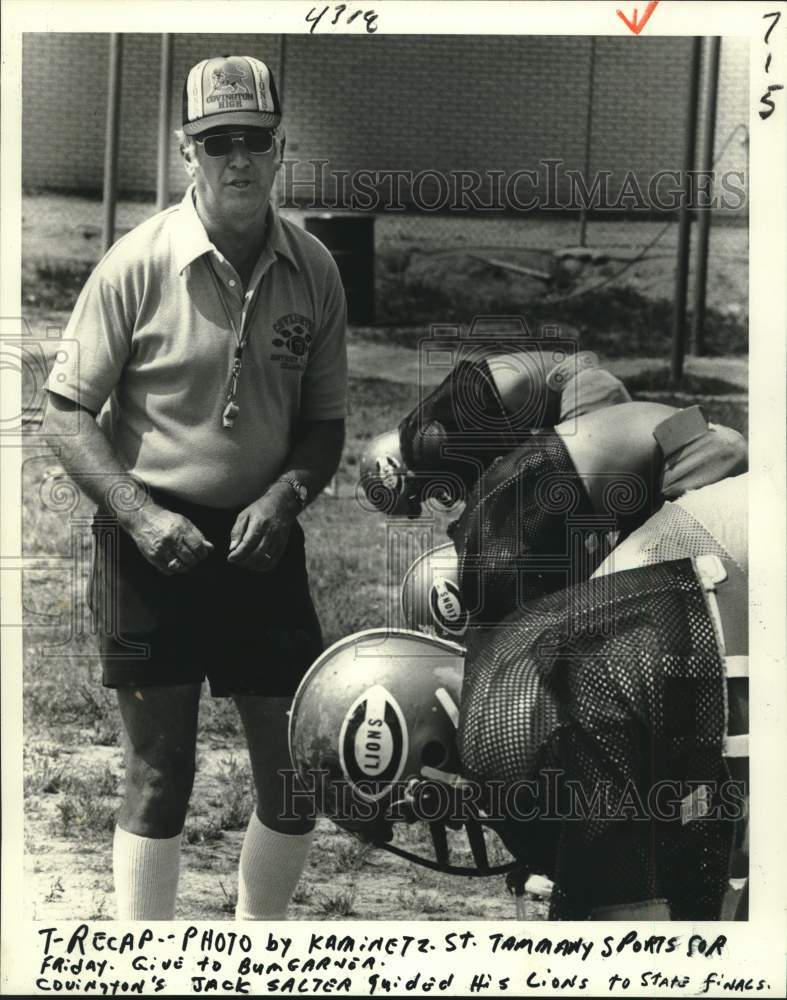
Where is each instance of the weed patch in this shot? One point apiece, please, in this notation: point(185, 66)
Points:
point(203, 831)
point(84, 815)
point(230, 899)
point(303, 893)
point(351, 855)
point(56, 891)
point(88, 805)
point(338, 904)
point(423, 902)
point(42, 776)
point(220, 718)
point(238, 795)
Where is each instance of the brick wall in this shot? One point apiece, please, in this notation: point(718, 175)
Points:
point(63, 143)
point(388, 103)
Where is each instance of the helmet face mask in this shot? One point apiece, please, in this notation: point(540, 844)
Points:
point(392, 488)
point(385, 480)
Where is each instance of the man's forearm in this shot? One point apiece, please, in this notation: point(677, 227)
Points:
point(168, 541)
point(88, 457)
point(315, 456)
point(259, 535)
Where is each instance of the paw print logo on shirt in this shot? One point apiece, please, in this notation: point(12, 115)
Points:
point(294, 333)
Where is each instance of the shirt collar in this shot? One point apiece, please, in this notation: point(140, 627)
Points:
point(191, 241)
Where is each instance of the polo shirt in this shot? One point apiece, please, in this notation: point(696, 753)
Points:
point(155, 352)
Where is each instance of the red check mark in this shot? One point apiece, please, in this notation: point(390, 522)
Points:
point(635, 25)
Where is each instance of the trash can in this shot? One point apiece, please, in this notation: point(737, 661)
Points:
point(350, 240)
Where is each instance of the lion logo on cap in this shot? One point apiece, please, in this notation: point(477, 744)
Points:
point(231, 78)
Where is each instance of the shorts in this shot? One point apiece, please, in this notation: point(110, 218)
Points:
point(247, 632)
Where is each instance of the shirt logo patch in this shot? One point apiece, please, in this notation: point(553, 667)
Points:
point(295, 334)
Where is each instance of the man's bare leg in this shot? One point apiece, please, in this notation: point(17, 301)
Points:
point(160, 730)
point(274, 848)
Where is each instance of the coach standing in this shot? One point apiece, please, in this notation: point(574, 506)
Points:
point(212, 351)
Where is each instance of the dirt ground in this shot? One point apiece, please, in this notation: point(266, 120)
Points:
point(68, 875)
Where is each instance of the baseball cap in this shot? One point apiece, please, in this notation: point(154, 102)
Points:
point(229, 90)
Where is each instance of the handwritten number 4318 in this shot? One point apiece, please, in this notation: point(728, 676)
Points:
point(315, 15)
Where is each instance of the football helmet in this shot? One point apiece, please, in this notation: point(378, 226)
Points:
point(392, 488)
point(386, 482)
point(372, 736)
point(431, 600)
point(481, 410)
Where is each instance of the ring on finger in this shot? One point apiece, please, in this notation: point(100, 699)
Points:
point(174, 563)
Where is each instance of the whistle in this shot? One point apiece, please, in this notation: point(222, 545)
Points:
point(229, 415)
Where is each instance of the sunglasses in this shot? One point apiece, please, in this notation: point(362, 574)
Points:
point(257, 142)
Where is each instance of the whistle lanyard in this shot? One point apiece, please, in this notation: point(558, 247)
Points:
point(231, 409)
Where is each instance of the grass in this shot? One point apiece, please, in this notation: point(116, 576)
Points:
point(220, 718)
point(351, 855)
point(85, 804)
point(43, 777)
point(99, 714)
point(54, 283)
point(237, 794)
point(230, 899)
point(425, 902)
point(659, 380)
point(619, 319)
point(92, 709)
point(84, 814)
point(303, 892)
point(203, 831)
point(56, 891)
point(338, 904)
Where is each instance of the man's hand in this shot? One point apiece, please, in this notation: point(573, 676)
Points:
point(261, 530)
point(168, 541)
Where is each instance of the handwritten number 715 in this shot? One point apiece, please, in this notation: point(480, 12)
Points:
point(315, 16)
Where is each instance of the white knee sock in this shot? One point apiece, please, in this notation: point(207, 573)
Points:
point(146, 875)
point(270, 866)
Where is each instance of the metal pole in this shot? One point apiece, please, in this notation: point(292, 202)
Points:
point(164, 105)
point(111, 140)
point(280, 73)
point(280, 189)
point(704, 216)
point(583, 212)
point(684, 225)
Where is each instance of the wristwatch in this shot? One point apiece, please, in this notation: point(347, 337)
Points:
point(298, 488)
